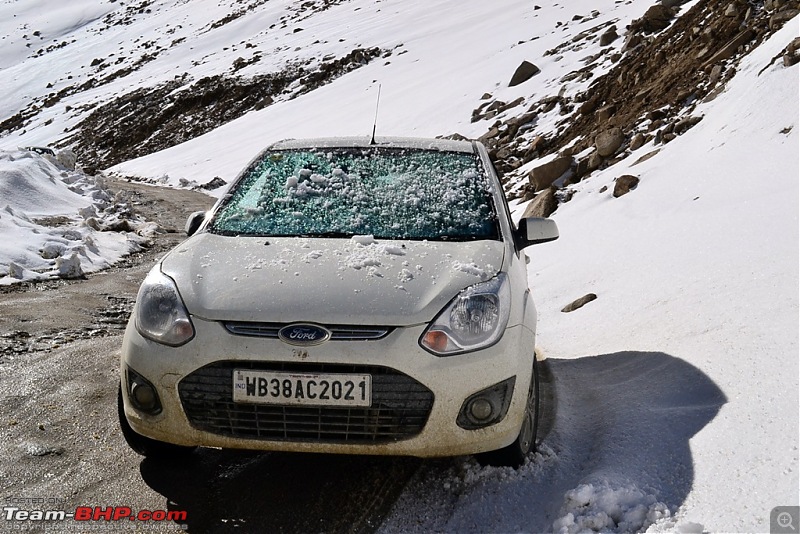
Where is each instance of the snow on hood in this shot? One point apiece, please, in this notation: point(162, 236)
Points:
point(331, 281)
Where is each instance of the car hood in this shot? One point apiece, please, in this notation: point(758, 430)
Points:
point(328, 281)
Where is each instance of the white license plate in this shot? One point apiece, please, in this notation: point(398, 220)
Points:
point(301, 389)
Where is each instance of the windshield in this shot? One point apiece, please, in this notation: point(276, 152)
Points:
point(393, 193)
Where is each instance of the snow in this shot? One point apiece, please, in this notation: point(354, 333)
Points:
point(677, 386)
point(49, 221)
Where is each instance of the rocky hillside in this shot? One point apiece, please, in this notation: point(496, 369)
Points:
point(648, 92)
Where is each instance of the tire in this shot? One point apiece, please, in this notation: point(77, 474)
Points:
point(148, 447)
point(514, 455)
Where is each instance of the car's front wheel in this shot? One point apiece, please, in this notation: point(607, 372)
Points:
point(514, 454)
point(143, 445)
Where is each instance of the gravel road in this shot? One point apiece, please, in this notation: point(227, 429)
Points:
point(61, 449)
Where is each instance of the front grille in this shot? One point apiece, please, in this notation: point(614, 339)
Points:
point(400, 407)
point(338, 332)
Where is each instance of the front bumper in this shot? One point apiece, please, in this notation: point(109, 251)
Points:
point(395, 359)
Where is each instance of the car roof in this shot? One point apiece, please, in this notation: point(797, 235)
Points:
point(447, 145)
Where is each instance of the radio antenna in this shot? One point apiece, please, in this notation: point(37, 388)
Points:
point(375, 122)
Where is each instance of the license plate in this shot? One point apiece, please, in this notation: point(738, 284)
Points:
point(301, 389)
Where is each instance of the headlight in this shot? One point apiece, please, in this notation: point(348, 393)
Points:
point(161, 315)
point(475, 319)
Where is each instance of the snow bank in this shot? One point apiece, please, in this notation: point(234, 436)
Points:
point(52, 221)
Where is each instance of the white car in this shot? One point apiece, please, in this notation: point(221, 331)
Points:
point(345, 296)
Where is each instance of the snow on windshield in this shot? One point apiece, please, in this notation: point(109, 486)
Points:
point(383, 192)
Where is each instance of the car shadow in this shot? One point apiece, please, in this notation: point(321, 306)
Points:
point(620, 438)
point(240, 491)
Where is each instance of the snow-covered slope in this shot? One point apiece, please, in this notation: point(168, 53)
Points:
point(678, 386)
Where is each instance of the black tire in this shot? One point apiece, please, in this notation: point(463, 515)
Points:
point(514, 454)
point(148, 447)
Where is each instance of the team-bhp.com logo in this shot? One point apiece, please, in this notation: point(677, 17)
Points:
point(97, 513)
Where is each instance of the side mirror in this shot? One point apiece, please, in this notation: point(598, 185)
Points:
point(535, 230)
point(194, 221)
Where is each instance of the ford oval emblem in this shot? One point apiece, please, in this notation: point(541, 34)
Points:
point(304, 334)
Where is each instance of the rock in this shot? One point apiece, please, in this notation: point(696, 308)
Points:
point(15, 271)
point(88, 211)
point(493, 132)
point(606, 112)
point(92, 223)
point(632, 41)
point(118, 225)
point(579, 303)
point(791, 54)
point(609, 141)
point(51, 250)
point(543, 204)
point(684, 124)
point(715, 75)
point(524, 72)
point(609, 36)
point(588, 164)
point(673, 3)
point(779, 18)
point(589, 106)
point(41, 449)
point(215, 183)
point(637, 141)
point(656, 18)
point(544, 175)
point(731, 46)
point(624, 184)
point(497, 105)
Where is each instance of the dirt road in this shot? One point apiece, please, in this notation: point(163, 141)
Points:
point(61, 449)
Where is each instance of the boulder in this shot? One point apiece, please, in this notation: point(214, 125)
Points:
point(215, 183)
point(624, 184)
point(778, 19)
point(637, 141)
point(588, 164)
point(544, 175)
point(791, 55)
point(606, 112)
point(524, 72)
point(656, 18)
point(609, 141)
point(609, 36)
point(543, 204)
point(731, 46)
point(574, 305)
point(684, 124)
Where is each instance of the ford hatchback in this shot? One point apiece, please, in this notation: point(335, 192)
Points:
point(345, 296)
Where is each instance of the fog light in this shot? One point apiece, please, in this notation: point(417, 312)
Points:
point(481, 409)
point(143, 394)
point(486, 407)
